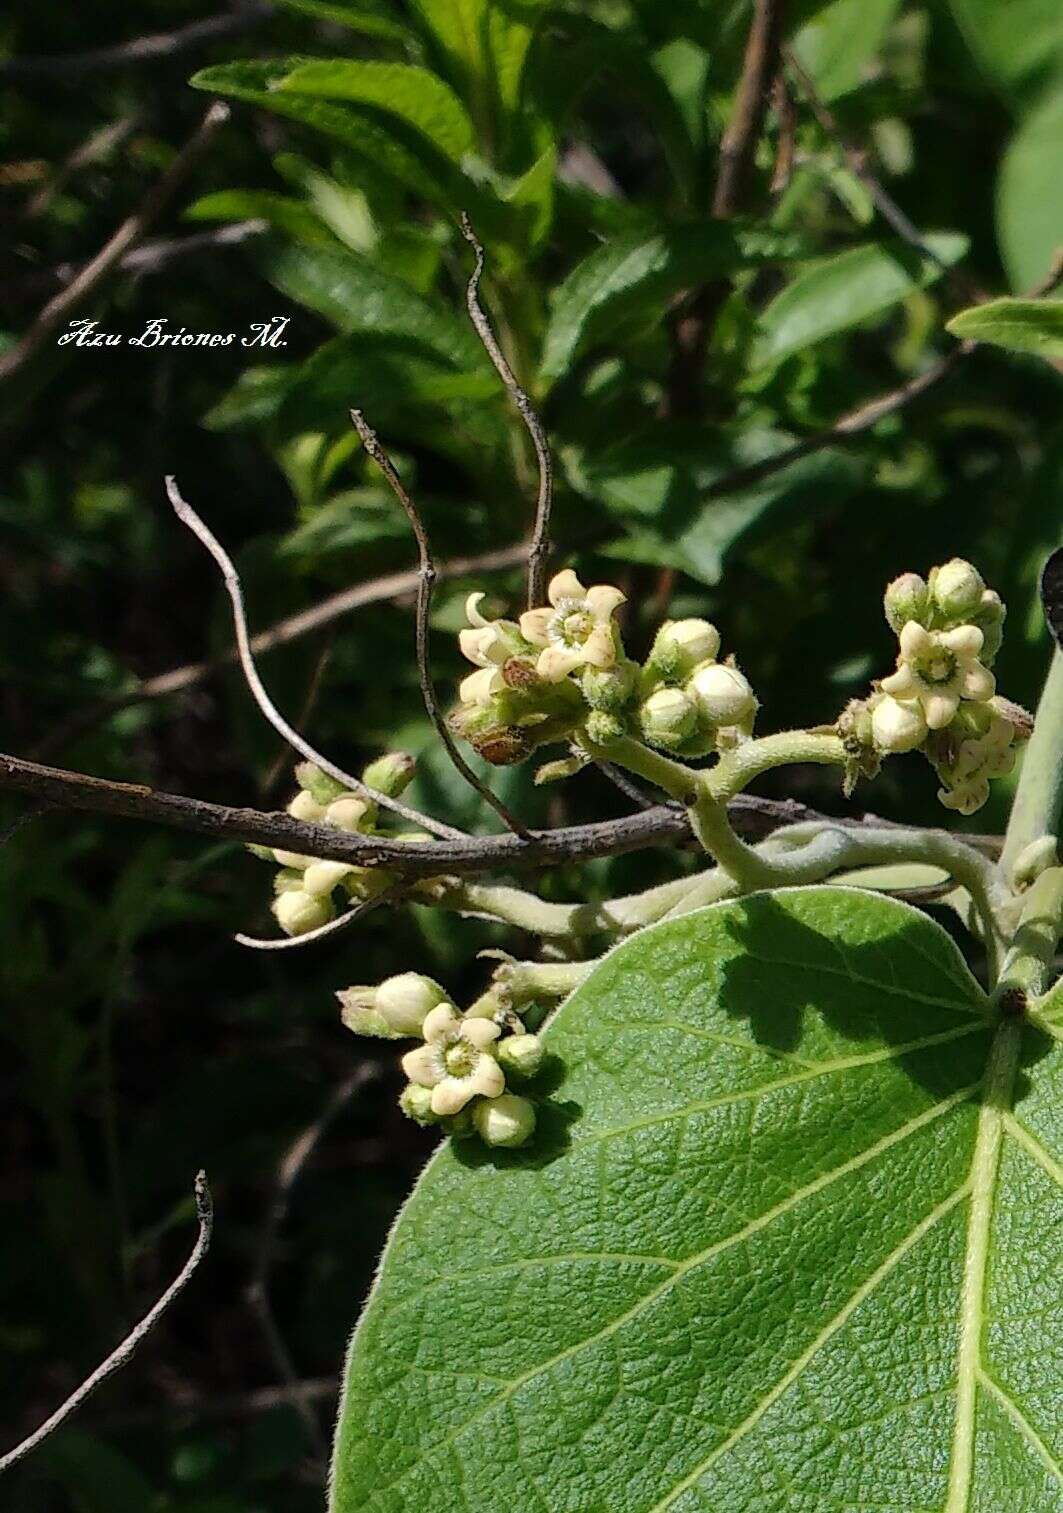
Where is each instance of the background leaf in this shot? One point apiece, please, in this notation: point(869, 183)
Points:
point(414, 95)
point(1020, 325)
point(1029, 204)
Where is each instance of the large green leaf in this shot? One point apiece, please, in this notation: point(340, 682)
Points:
point(789, 1239)
point(414, 95)
point(636, 273)
point(842, 40)
point(1020, 325)
point(842, 291)
point(1029, 203)
point(1018, 44)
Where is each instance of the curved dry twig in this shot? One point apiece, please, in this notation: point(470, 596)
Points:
point(310, 937)
point(119, 1357)
point(539, 549)
point(187, 515)
point(425, 582)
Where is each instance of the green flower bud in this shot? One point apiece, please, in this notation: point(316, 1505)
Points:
point(989, 618)
point(390, 774)
point(897, 727)
point(351, 813)
point(609, 688)
point(520, 1055)
point(681, 645)
point(602, 728)
point(264, 853)
point(416, 1104)
point(507, 1121)
point(722, 694)
point(320, 878)
point(957, 588)
point(459, 1126)
point(906, 598)
point(1031, 861)
point(297, 912)
point(288, 880)
point(668, 718)
point(406, 1000)
point(321, 787)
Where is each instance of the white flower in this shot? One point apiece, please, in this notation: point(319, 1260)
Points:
point(938, 668)
point(487, 647)
point(722, 694)
point(897, 727)
point(507, 1121)
point(320, 878)
point(577, 631)
point(481, 687)
point(350, 812)
point(454, 1061)
point(988, 756)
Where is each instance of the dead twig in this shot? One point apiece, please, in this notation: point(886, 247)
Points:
point(121, 1356)
point(94, 149)
point(187, 515)
point(258, 1290)
point(425, 582)
point(539, 550)
point(151, 49)
point(107, 259)
point(738, 146)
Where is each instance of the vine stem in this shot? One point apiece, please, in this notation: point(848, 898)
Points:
point(1039, 796)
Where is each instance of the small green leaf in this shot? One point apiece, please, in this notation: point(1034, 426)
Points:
point(1020, 325)
point(841, 41)
point(788, 1238)
point(844, 291)
point(414, 95)
point(357, 17)
point(280, 210)
point(1029, 202)
point(637, 273)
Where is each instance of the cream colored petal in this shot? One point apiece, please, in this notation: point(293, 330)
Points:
point(939, 708)
point(603, 600)
point(487, 1079)
point(451, 1095)
point(480, 686)
point(480, 1032)
point(472, 609)
point(902, 684)
point(565, 585)
point(915, 641)
point(472, 643)
point(556, 662)
point(978, 682)
point(599, 649)
point(422, 1066)
point(964, 641)
point(535, 626)
point(439, 1021)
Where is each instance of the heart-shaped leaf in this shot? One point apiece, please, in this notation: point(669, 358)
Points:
point(788, 1239)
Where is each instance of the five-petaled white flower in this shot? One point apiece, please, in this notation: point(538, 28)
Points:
point(454, 1060)
point(576, 631)
point(485, 646)
point(938, 668)
point(989, 756)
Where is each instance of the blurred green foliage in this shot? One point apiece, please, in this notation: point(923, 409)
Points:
point(583, 141)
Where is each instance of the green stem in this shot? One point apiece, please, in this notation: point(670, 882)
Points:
point(1039, 796)
point(1033, 947)
point(739, 767)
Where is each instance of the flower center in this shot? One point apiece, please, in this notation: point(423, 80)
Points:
point(460, 1057)
point(939, 667)
point(572, 624)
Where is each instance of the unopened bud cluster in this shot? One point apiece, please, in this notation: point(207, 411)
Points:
point(941, 699)
point(563, 669)
point(306, 887)
point(458, 1075)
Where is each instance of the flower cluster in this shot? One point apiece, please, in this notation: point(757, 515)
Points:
point(458, 1075)
point(563, 669)
point(305, 887)
point(942, 698)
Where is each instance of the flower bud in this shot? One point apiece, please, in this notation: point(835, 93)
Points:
point(305, 807)
point(297, 911)
point(897, 727)
point(288, 880)
point(264, 853)
point(668, 717)
point(321, 787)
point(681, 645)
point(722, 694)
point(989, 618)
point(507, 1121)
point(957, 588)
point(906, 598)
point(321, 877)
point(1031, 861)
point(405, 1001)
point(350, 813)
point(557, 772)
point(390, 774)
point(416, 1104)
point(602, 728)
point(609, 688)
point(520, 1055)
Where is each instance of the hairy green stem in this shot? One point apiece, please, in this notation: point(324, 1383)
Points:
point(1033, 946)
point(1039, 795)
point(737, 769)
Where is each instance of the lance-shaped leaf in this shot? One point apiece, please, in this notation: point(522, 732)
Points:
point(1020, 325)
point(788, 1239)
point(414, 95)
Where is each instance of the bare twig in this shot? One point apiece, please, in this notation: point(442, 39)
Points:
point(106, 260)
point(94, 149)
point(786, 117)
point(752, 816)
point(425, 582)
point(539, 550)
point(258, 1295)
point(152, 49)
point(31, 812)
point(740, 139)
point(376, 591)
point(119, 1357)
point(187, 515)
